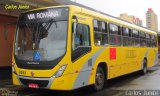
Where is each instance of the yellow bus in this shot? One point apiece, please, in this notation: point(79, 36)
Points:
point(68, 47)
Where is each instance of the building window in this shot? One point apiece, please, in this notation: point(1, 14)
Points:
point(115, 34)
point(100, 33)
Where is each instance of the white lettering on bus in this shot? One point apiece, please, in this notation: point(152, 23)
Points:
point(47, 15)
point(31, 16)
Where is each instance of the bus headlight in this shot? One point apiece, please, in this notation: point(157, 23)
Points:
point(60, 71)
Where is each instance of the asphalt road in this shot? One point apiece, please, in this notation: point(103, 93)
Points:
point(129, 85)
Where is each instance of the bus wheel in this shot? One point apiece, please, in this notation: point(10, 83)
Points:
point(144, 70)
point(99, 79)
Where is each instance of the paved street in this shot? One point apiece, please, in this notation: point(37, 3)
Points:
point(121, 86)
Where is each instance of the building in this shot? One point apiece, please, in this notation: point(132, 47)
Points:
point(151, 20)
point(131, 19)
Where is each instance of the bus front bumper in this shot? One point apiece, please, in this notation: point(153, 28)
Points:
point(61, 83)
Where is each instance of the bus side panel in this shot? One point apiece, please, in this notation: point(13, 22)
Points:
point(152, 57)
point(102, 58)
point(117, 65)
point(124, 62)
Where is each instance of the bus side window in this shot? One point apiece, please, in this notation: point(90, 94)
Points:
point(126, 32)
point(148, 40)
point(153, 41)
point(104, 34)
point(155, 38)
point(143, 39)
point(97, 32)
point(115, 34)
point(100, 33)
point(81, 36)
point(135, 38)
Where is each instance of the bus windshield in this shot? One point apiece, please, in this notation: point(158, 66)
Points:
point(41, 40)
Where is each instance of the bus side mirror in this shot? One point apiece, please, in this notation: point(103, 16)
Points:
point(73, 34)
point(75, 23)
point(79, 28)
point(74, 27)
point(75, 17)
point(76, 36)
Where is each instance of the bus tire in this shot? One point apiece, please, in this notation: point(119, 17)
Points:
point(144, 70)
point(99, 79)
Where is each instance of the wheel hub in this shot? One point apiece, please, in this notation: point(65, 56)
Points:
point(99, 79)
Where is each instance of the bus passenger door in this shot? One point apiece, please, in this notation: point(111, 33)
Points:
point(80, 41)
point(81, 51)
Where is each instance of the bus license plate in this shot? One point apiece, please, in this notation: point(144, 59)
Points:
point(31, 85)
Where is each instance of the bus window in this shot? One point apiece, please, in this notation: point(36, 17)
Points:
point(96, 24)
point(155, 45)
point(82, 36)
point(148, 40)
point(115, 34)
point(104, 34)
point(135, 38)
point(126, 32)
point(142, 39)
point(81, 41)
point(150, 36)
point(100, 33)
point(153, 41)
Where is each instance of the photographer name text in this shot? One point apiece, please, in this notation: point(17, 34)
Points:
point(15, 7)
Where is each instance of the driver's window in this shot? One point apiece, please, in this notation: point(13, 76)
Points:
point(81, 36)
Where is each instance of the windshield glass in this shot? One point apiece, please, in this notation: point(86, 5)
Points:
point(41, 40)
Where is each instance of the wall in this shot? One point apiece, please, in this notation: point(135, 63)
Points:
point(6, 44)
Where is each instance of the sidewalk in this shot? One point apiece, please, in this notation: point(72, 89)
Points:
point(149, 81)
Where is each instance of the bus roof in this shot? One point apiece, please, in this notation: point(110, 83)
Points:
point(112, 19)
point(81, 9)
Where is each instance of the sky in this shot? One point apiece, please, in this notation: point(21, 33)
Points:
point(137, 8)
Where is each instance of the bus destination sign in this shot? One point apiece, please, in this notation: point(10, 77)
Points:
point(52, 13)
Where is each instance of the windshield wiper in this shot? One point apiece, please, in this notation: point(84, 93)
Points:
point(40, 28)
point(55, 22)
point(36, 28)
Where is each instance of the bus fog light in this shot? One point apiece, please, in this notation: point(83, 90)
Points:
point(60, 71)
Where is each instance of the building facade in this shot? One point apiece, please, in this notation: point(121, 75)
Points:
point(131, 19)
point(151, 20)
